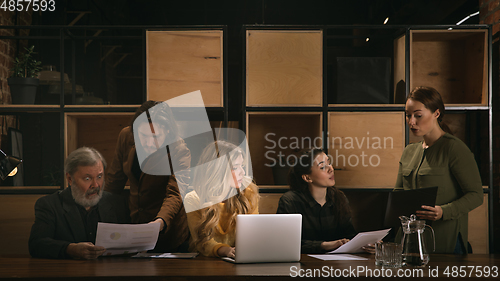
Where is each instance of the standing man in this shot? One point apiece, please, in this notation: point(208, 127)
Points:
point(66, 221)
point(146, 155)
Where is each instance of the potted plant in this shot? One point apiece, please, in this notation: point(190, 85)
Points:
point(23, 82)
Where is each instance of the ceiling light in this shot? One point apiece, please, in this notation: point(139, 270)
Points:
point(386, 20)
point(467, 17)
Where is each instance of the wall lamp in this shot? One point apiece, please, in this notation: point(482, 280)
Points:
point(8, 165)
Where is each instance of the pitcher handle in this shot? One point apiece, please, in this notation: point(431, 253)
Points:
point(433, 237)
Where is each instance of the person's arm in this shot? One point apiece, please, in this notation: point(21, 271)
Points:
point(211, 248)
point(172, 204)
point(465, 170)
point(181, 162)
point(85, 250)
point(41, 243)
point(286, 206)
point(116, 177)
point(327, 246)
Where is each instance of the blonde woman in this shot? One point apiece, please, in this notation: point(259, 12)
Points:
point(221, 192)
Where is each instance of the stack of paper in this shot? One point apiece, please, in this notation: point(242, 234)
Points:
point(360, 240)
point(126, 238)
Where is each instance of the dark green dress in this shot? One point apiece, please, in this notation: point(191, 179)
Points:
point(450, 165)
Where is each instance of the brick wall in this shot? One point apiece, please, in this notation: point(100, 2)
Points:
point(489, 13)
point(8, 51)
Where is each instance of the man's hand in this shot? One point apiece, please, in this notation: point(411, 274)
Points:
point(160, 221)
point(85, 250)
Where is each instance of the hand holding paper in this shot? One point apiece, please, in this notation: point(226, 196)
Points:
point(126, 238)
point(360, 240)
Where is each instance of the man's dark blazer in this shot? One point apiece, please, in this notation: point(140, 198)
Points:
point(58, 222)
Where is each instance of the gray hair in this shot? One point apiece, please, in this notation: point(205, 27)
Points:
point(83, 156)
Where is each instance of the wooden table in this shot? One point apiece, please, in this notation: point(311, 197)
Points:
point(121, 268)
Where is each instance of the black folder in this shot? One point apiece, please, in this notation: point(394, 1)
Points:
point(379, 209)
point(407, 202)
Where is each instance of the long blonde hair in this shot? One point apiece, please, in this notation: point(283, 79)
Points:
point(212, 186)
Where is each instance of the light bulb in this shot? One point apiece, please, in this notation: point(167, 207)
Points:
point(13, 173)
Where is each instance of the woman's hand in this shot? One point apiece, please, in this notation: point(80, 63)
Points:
point(431, 213)
point(225, 251)
point(332, 245)
point(369, 248)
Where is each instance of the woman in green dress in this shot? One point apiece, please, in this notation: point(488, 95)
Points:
point(440, 160)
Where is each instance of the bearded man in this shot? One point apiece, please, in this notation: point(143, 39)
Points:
point(66, 222)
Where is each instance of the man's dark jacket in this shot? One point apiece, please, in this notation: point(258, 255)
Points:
point(58, 222)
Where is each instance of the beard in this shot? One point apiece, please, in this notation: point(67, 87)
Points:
point(81, 197)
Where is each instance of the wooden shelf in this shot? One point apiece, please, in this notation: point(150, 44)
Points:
point(399, 71)
point(97, 130)
point(366, 147)
point(367, 105)
point(271, 133)
point(106, 106)
point(180, 62)
point(284, 68)
point(43, 189)
point(454, 62)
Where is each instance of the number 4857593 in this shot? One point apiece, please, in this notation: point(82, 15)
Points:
point(28, 5)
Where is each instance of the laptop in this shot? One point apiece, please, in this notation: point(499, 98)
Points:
point(267, 238)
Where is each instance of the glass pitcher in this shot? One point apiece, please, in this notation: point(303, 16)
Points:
point(414, 249)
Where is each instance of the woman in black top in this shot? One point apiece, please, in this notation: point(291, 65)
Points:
point(326, 217)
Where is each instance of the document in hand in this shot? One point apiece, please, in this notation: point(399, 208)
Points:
point(126, 238)
point(166, 255)
point(360, 240)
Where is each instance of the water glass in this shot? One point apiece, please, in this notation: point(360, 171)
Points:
point(379, 257)
point(392, 254)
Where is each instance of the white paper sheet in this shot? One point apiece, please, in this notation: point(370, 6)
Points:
point(126, 238)
point(338, 257)
point(166, 255)
point(360, 240)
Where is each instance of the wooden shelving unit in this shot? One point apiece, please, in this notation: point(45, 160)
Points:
point(183, 61)
point(175, 61)
point(289, 88)
point(284, 68)
point(365, 148)
point(454, 60)
point(272, 133)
